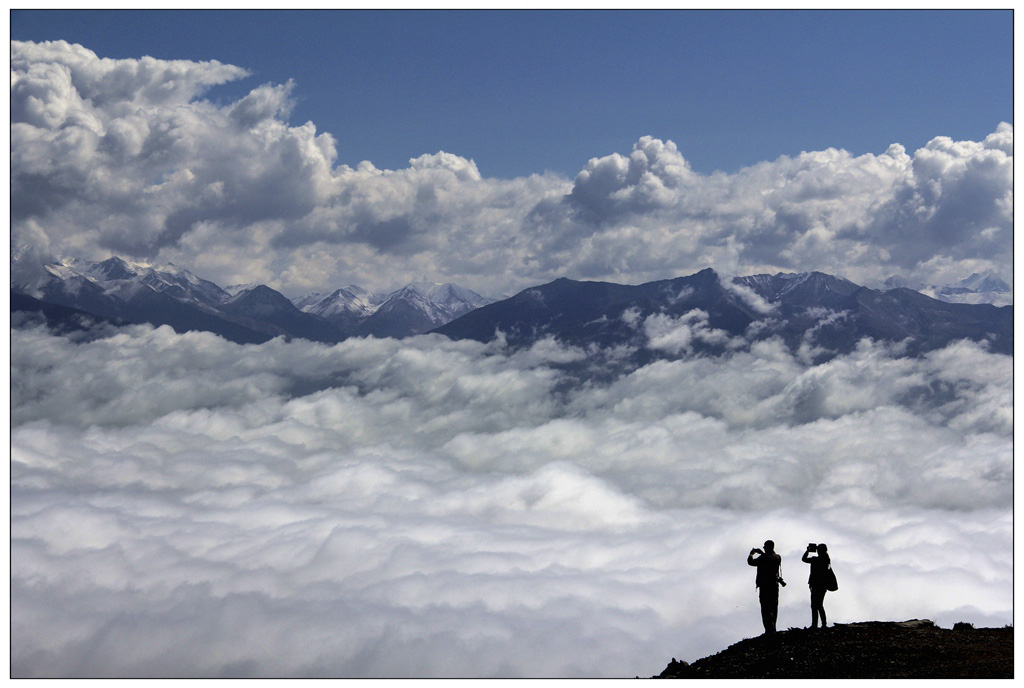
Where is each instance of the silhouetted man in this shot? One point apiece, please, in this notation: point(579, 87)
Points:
point(768, 564)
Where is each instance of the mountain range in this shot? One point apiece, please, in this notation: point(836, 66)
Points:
point(124, 292)
point(816, 315)
point(980, 287)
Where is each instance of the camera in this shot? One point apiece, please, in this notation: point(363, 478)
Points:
point(812, 547)
point(782, 582)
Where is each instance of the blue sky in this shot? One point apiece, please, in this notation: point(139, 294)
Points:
point(524, 91)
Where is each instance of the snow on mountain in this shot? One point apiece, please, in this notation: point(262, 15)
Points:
point(817, 315)
point(302, 302)
point(419, 307)
point(111, 269)
point(124, 289)
point(123, 279)
point(801, 286)
point(259, 301)
point(986, 281)
point(266, 310)
point(347, 301)
point(140, 293)
point(236, 289)
point(984, 287)
point(816, 311)
point(440, 302)
point(414, 309)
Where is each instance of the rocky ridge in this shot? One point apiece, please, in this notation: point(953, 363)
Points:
point(872, 649)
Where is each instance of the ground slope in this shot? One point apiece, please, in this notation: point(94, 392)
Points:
point(875, 649)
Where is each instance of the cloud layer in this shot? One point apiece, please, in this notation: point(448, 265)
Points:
point(182, 505)
point(130, 157)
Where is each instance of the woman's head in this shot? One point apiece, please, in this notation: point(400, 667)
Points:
point(822, 547)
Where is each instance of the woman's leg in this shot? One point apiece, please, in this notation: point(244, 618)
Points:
point(818, 607)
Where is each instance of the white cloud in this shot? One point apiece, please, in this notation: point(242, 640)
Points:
point(182, 505)
point(126, 156)
point(121, 155)
point(649, 178)
point(678, 335)
point(750, 297)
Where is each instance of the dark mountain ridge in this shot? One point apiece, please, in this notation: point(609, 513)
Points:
point(266, 310)
point(116, 290)
point(62, 320)
point(144, 304)
point(582, 312)
point(818, 314)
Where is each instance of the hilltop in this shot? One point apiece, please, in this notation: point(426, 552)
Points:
point(873, 649)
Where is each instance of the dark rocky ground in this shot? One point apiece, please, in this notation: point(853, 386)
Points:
point(873, 649)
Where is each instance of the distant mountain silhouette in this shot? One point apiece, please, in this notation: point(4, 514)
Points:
point(984, 287)
point(60, 319)
point(344, 308)
point(265, 310)
point(417, 308)
point(894, 315)
point(822, 314)
point(817, 315)
point(579, 313)
point(144, 304)
point(118, 290)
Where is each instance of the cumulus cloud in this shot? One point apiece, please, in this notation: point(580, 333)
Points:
point(185, 506)
point(123, 155)
point(678, 335)
point(649, 178)
point(750, 297)
point(129, 157)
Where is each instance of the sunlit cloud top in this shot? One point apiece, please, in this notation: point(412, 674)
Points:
point(128, 157)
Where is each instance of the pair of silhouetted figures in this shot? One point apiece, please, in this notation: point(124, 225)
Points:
point(769, 578)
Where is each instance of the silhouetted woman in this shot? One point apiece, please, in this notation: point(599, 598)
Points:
point(818, 581)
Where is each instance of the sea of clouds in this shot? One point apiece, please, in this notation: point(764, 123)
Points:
point(185, 506)
point(142, 158)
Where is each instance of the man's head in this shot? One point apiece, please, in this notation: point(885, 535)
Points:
point(822, 547)
point(769, 546)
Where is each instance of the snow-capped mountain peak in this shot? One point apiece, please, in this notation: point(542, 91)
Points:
point(806, 286)
point(445, 294)
point(142, 292)
point(440, 302)
point(986, 281)
point(984, 287)
point(260, 300)
point(124, 280)
point(416, 307)
point(112, 268)
point(236, 289)
point(350, 300)
point(303, 302)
